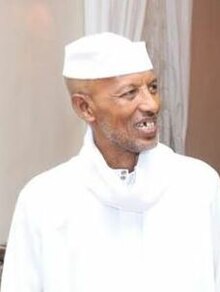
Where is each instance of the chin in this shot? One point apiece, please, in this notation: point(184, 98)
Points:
point(147, 143)
point(149, 146)
point(142, 146)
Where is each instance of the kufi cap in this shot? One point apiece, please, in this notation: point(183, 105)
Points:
point(104, 55)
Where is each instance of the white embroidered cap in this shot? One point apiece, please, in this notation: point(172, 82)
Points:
point(104, 55)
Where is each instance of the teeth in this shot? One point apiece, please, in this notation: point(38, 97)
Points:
point(147, 125)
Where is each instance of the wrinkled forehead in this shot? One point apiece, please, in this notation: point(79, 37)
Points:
point(124, 80)
point(94, 86)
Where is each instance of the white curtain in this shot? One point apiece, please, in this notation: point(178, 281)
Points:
point(125, 17)
point(167, 30)
point(166, 27)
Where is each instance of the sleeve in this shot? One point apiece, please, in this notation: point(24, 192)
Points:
point(216, 235)
point(21, 271)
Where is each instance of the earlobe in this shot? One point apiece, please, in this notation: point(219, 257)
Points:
point(82, 106)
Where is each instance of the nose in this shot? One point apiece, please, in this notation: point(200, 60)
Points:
point(149, 102)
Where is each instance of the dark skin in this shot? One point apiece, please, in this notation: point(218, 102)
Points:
point(122, 112)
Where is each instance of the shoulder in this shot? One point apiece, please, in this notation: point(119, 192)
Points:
point(196, 168)
point(196, 176)
point(50, 189)
point(188, 165)
point(54, 177)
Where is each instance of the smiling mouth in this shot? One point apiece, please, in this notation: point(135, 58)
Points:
point(147, 127)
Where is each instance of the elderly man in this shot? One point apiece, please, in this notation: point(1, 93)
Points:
point(127, 213)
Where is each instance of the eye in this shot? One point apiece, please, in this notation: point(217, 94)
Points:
point(153, 87)
point(129, 94)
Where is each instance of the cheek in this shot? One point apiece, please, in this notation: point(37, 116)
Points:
point(122, 117)
point(159, 102)
point(117, 115)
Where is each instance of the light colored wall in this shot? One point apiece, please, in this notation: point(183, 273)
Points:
point(38, 128)
point(203, 139)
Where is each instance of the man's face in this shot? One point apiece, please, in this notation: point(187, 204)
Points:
point(125, 112)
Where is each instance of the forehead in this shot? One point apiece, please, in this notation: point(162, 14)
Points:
point(115, 83)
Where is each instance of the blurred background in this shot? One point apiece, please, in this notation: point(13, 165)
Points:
point(38, 128)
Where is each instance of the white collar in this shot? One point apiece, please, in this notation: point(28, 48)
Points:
point(152, 177)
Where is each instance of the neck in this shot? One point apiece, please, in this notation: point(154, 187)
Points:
point(125, 161)
point(118, 159)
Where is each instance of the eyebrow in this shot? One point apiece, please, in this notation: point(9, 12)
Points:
point(124, 87)
point(154, 80)
point(132, 85)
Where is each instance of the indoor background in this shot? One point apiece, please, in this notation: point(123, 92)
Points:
point(38, 128)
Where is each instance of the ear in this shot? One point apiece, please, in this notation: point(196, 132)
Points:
point(82, 104)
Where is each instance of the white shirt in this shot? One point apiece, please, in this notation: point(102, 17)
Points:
point(79, 228)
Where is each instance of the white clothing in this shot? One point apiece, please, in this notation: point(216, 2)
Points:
point(79, 228)
point(104, 55)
